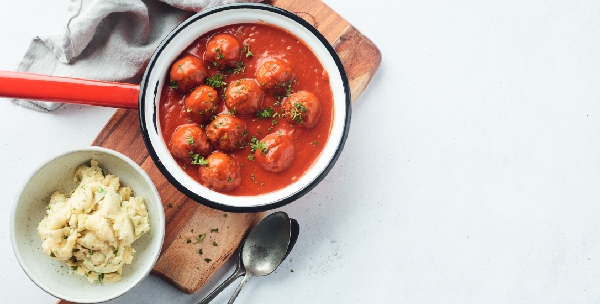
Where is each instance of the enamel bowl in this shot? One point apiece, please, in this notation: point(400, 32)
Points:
point(178, 40)
point(30, 207)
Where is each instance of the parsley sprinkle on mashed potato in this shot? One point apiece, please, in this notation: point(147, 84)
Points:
point(92, 228)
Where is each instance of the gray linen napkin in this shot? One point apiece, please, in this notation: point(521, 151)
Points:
point(109, 40)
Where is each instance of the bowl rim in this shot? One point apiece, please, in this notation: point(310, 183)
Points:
point(145, 127)
point(13, 236)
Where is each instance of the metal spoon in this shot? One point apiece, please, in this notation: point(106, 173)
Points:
point(273, 229)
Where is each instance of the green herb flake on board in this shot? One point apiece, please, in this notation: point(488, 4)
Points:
point(200, 238)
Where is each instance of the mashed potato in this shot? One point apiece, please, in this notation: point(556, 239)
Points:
point(92, 228)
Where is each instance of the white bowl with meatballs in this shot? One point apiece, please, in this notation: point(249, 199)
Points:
point(245, 107)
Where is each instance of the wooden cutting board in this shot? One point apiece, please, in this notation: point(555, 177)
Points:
point(180, 263)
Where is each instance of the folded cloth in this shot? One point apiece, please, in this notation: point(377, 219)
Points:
point(109, 40)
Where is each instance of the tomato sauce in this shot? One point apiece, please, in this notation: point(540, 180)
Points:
point(261, 42)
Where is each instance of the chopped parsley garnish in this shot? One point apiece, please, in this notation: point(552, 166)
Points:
point(174, 84)
point(214, 243)
point(179, 67)
point(215, 81)
point(315, 143)
point(197, 159)
point(207, 260)
point(100, 278)
point(288, 88)
point(256, 144)
point(170, 205)
point(240, 67)
point(246, 49)
point(297, 109)
point(74, 268)
point(200, 251)
point(190, 140)
point(188, 240)
point(214, 230)
point(265, 113)
point(251, 157)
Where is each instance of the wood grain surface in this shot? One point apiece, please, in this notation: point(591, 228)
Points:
point(180, 263)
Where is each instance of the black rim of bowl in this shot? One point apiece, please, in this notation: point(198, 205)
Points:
point(144, 87)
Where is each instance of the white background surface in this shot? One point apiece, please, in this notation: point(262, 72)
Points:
point(471, 173)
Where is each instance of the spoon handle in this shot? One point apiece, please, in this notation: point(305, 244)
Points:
point(239, 271)
point(239, 288)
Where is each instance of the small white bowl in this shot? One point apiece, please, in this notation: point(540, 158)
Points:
point(30, 206)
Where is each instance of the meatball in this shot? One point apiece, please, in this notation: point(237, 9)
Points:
point(274, 73)
point(203, 101)
point(244, 96)
point(187, 73)
point(221, 173)
point(279, 152)
point(227, 132)
point(224, 49)
point(302, 108)
point(188, 140)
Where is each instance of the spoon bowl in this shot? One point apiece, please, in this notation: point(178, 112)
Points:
point(264, 249)
point(266, 245)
